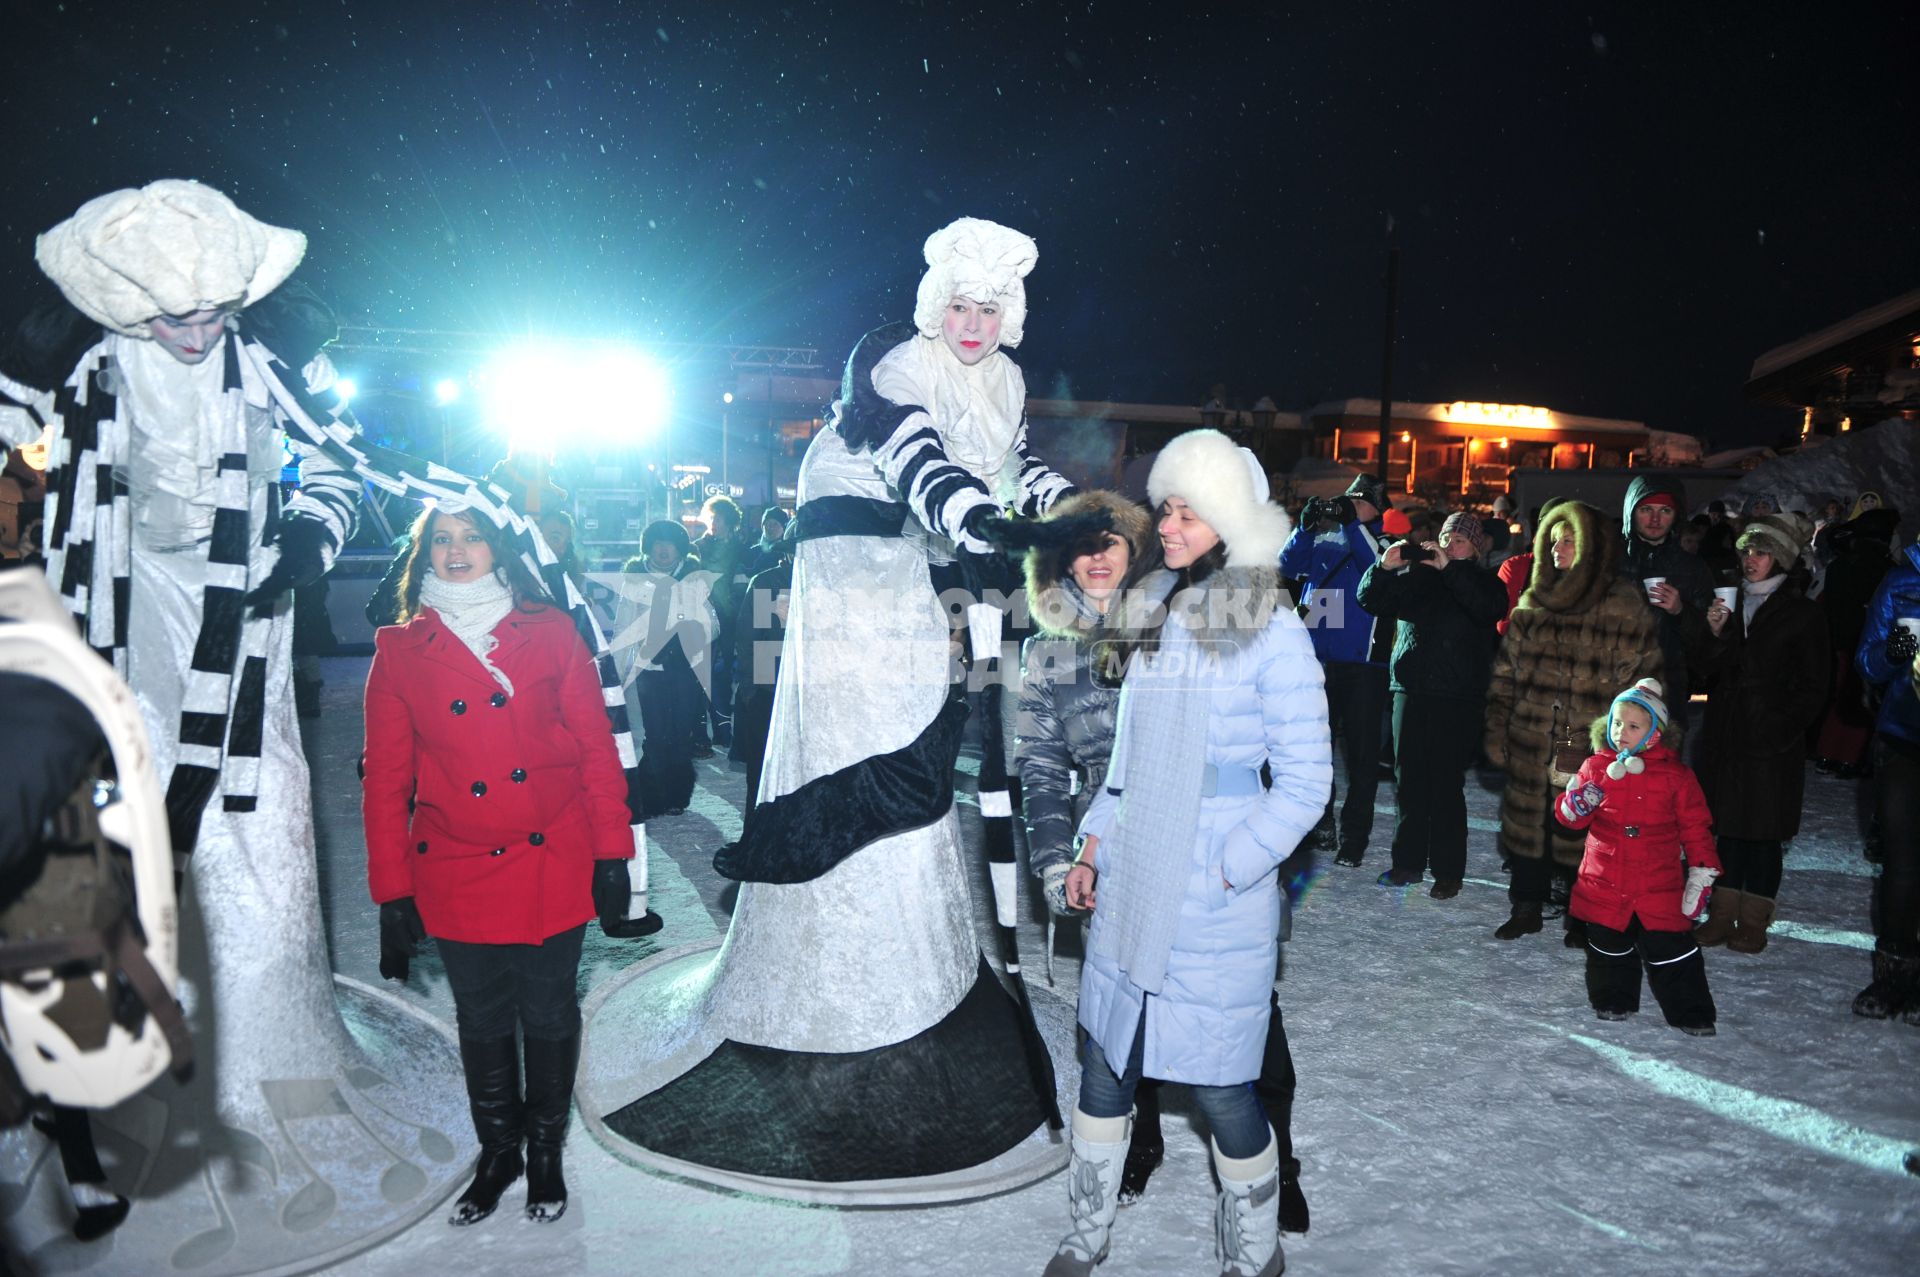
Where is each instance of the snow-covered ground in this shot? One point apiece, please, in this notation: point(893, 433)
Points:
point(1460, 1110)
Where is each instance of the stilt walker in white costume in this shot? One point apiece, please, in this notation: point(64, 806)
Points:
point(169, 540)
point(849, 1029)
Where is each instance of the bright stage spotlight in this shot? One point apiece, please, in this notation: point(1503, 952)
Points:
point(347, 388)
point(445, 391)
point(546, 399)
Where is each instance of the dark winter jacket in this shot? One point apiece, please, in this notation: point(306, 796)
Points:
point(1898, 596)
point(1575, 639)
point(1064, 732)
point(1861, 556)
point(1329, 565)
point(1652, 828)
point(489, 808)
point(1446, 616)
point(1686, 572)
point(1765, 687)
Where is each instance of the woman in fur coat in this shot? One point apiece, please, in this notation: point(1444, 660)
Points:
point(1766, 671)
point(1182, 845)
point(496, 822)
point(1578, 635)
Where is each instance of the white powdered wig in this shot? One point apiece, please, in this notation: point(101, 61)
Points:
point(983, 262)
point(1225, 485)
point(168, 248)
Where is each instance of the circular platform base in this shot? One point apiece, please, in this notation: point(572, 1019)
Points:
point(352, 1158)
point(630, 1010)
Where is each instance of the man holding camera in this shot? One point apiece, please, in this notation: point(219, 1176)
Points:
point(1336, 541)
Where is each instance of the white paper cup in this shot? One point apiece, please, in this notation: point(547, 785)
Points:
point(1651, 581)
point(1728, 594)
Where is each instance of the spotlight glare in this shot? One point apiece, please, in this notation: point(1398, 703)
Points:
point(446, 390)
point(727, 397)
point(347, 388)
point(543, 398)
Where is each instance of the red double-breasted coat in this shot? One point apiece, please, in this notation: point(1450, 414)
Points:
point(1636, 842)
point(514, 796)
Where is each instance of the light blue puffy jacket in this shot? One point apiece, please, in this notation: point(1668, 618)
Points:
point(1208, 1024)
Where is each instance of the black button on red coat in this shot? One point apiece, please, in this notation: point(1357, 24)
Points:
point(497, 699)
point(479, 789)
point(536, 839)
point(498, 851)
point(422, 849)
point(517, 775)
point(458, 707)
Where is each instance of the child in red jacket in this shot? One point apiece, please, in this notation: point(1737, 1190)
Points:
point(1649, 860)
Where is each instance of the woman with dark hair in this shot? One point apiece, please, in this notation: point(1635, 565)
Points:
point(1765, 669)
point(496, 822)
point(1185, 839)
point(666, 625)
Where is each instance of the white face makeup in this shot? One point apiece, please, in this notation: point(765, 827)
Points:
point(189, 338)
point(971, 329)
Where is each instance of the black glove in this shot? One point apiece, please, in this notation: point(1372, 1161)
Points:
point(1902, 646)
point(1312, 512)
point(612, 891)
point(1341, 510)
point(302, 561)
point(1299, 871)
point(400, 930)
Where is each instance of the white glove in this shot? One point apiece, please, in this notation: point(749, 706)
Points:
point(1053, 884)
point(1698, 881)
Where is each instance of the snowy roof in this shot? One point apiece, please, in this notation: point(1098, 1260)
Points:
point(1890, 320)
point(1464, 414)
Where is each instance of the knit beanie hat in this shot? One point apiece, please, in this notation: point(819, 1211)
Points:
point(1648, 694)
point(1462, 524)
point(167, 248)
point(1395, 523)
point(1368, 488)
point(1784, 536)
point(983, 262)
point(1226, 485)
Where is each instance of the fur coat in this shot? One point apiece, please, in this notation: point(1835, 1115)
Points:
point(1575, 639)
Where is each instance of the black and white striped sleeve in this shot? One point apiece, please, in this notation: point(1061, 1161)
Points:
point(942, 494)
point(329, 491)
point(1040, 485)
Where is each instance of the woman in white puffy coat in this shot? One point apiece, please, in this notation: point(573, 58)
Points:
point(1181, 849)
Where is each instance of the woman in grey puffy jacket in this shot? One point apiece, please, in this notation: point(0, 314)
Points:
point(1184, 842)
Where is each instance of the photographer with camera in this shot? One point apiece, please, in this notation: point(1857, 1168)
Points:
point(1336, 540)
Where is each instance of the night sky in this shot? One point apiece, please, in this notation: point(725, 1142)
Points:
point(1603, 208)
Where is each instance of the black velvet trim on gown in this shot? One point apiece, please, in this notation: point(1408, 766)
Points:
point(950, 1097)
point(799, 836)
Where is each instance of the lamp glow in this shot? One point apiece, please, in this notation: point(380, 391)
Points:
point(346, 388)
point(545, 398)
point(445, 391)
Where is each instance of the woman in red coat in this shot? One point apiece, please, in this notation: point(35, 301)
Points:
point(496, 822)
point(1644, 812)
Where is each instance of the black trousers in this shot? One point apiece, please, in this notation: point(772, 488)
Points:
point(496, 986)
point(1356, 705)
point(1751, 865)
point(1896, 792)
point(1675, 971)
point(672, 714)
point(1274, 1087)
point(1435, 740)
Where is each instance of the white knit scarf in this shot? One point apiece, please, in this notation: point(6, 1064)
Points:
point(1754, 593)
point(471, 609)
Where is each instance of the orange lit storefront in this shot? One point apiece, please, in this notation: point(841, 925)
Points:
point(1468, 449)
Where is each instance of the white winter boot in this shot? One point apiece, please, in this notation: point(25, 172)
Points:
point(1247, 1223)
point(1093, 1192)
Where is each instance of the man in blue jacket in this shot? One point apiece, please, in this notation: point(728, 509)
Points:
point(1334, 544)
point(1888, 644)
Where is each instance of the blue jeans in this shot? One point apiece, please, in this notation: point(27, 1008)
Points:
point(1233, 1113)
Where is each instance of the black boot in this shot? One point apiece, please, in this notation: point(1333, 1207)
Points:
point(1293, 1202)
point(1524, 922)
point(550, 1069)
point(1147, 1148)
point(493, 1093)
point(1892, 990)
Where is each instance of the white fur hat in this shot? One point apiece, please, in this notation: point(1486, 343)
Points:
point(981, 261)
point(1225, 485)
point(169, 248)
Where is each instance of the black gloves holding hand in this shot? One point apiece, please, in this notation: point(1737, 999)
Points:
point(400, 930)
point(302, 561)
point(612, 896)
point(1902, 645)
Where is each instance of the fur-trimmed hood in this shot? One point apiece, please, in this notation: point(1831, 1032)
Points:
point(1226, 486)
point(1058, 606)
point(1597, 550)
point(1670, 736)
